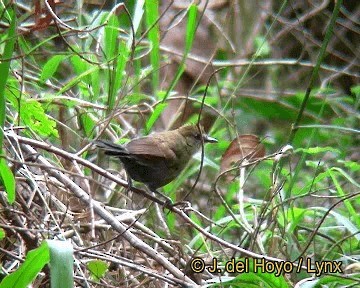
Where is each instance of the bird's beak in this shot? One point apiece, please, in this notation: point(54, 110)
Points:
point(208, 139)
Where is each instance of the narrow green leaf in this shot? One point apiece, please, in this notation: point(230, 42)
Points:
point(5, 65)
point(341, 220)
point(138, 14)
point(189, 39)
point(76, 80)
point(351, 210)
point(123, 58)
point(190, 28)
point(111, 36)
point(95, 81)
point(7, 178)
point(51, 67)
point(152, 15)
point(154, 116)
point(352, 165)
point(316, 150)
point(34, 262)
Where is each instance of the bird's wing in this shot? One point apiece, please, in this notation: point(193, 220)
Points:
point(152, 147)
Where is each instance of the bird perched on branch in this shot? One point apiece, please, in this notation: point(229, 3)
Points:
point(158, 159)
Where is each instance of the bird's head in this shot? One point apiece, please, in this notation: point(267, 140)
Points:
point(194, 136)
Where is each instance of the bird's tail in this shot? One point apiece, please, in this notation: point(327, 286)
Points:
point(111, 149)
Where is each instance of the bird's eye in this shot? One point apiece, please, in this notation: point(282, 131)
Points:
point(197, 136)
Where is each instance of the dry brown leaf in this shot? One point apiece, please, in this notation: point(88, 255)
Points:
point(245, 146)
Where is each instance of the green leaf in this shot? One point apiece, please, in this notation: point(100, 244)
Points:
point(51, 67)
point(154, 116)
point(2, 234)
point(255, 276)
point(117, 53)
point(189, 39)
point(342, 221)
point(111, 37)
point(335, 281)
point(95, 82)
point(82, 77)
point(123, 58)
point(88, 123)
point(334, 173)
point(8, 15)
point(262, 46)
point(97, 269)
point(317, 150)
point(355, 90)
point(33, 115)
point(7, 178)
point(135, 98)
point(152, 16)
point(293, 216)
point(79, 65)
point(34, 262)
point(190, 28)
point(353, 166)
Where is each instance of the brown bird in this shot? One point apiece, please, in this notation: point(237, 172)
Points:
point(157, 159)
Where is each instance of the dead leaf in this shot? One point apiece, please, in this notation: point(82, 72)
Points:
point(245, 146)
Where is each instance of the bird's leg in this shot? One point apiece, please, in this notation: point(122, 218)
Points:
point(168, 201)
point(184, 204)
point(128, 188)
